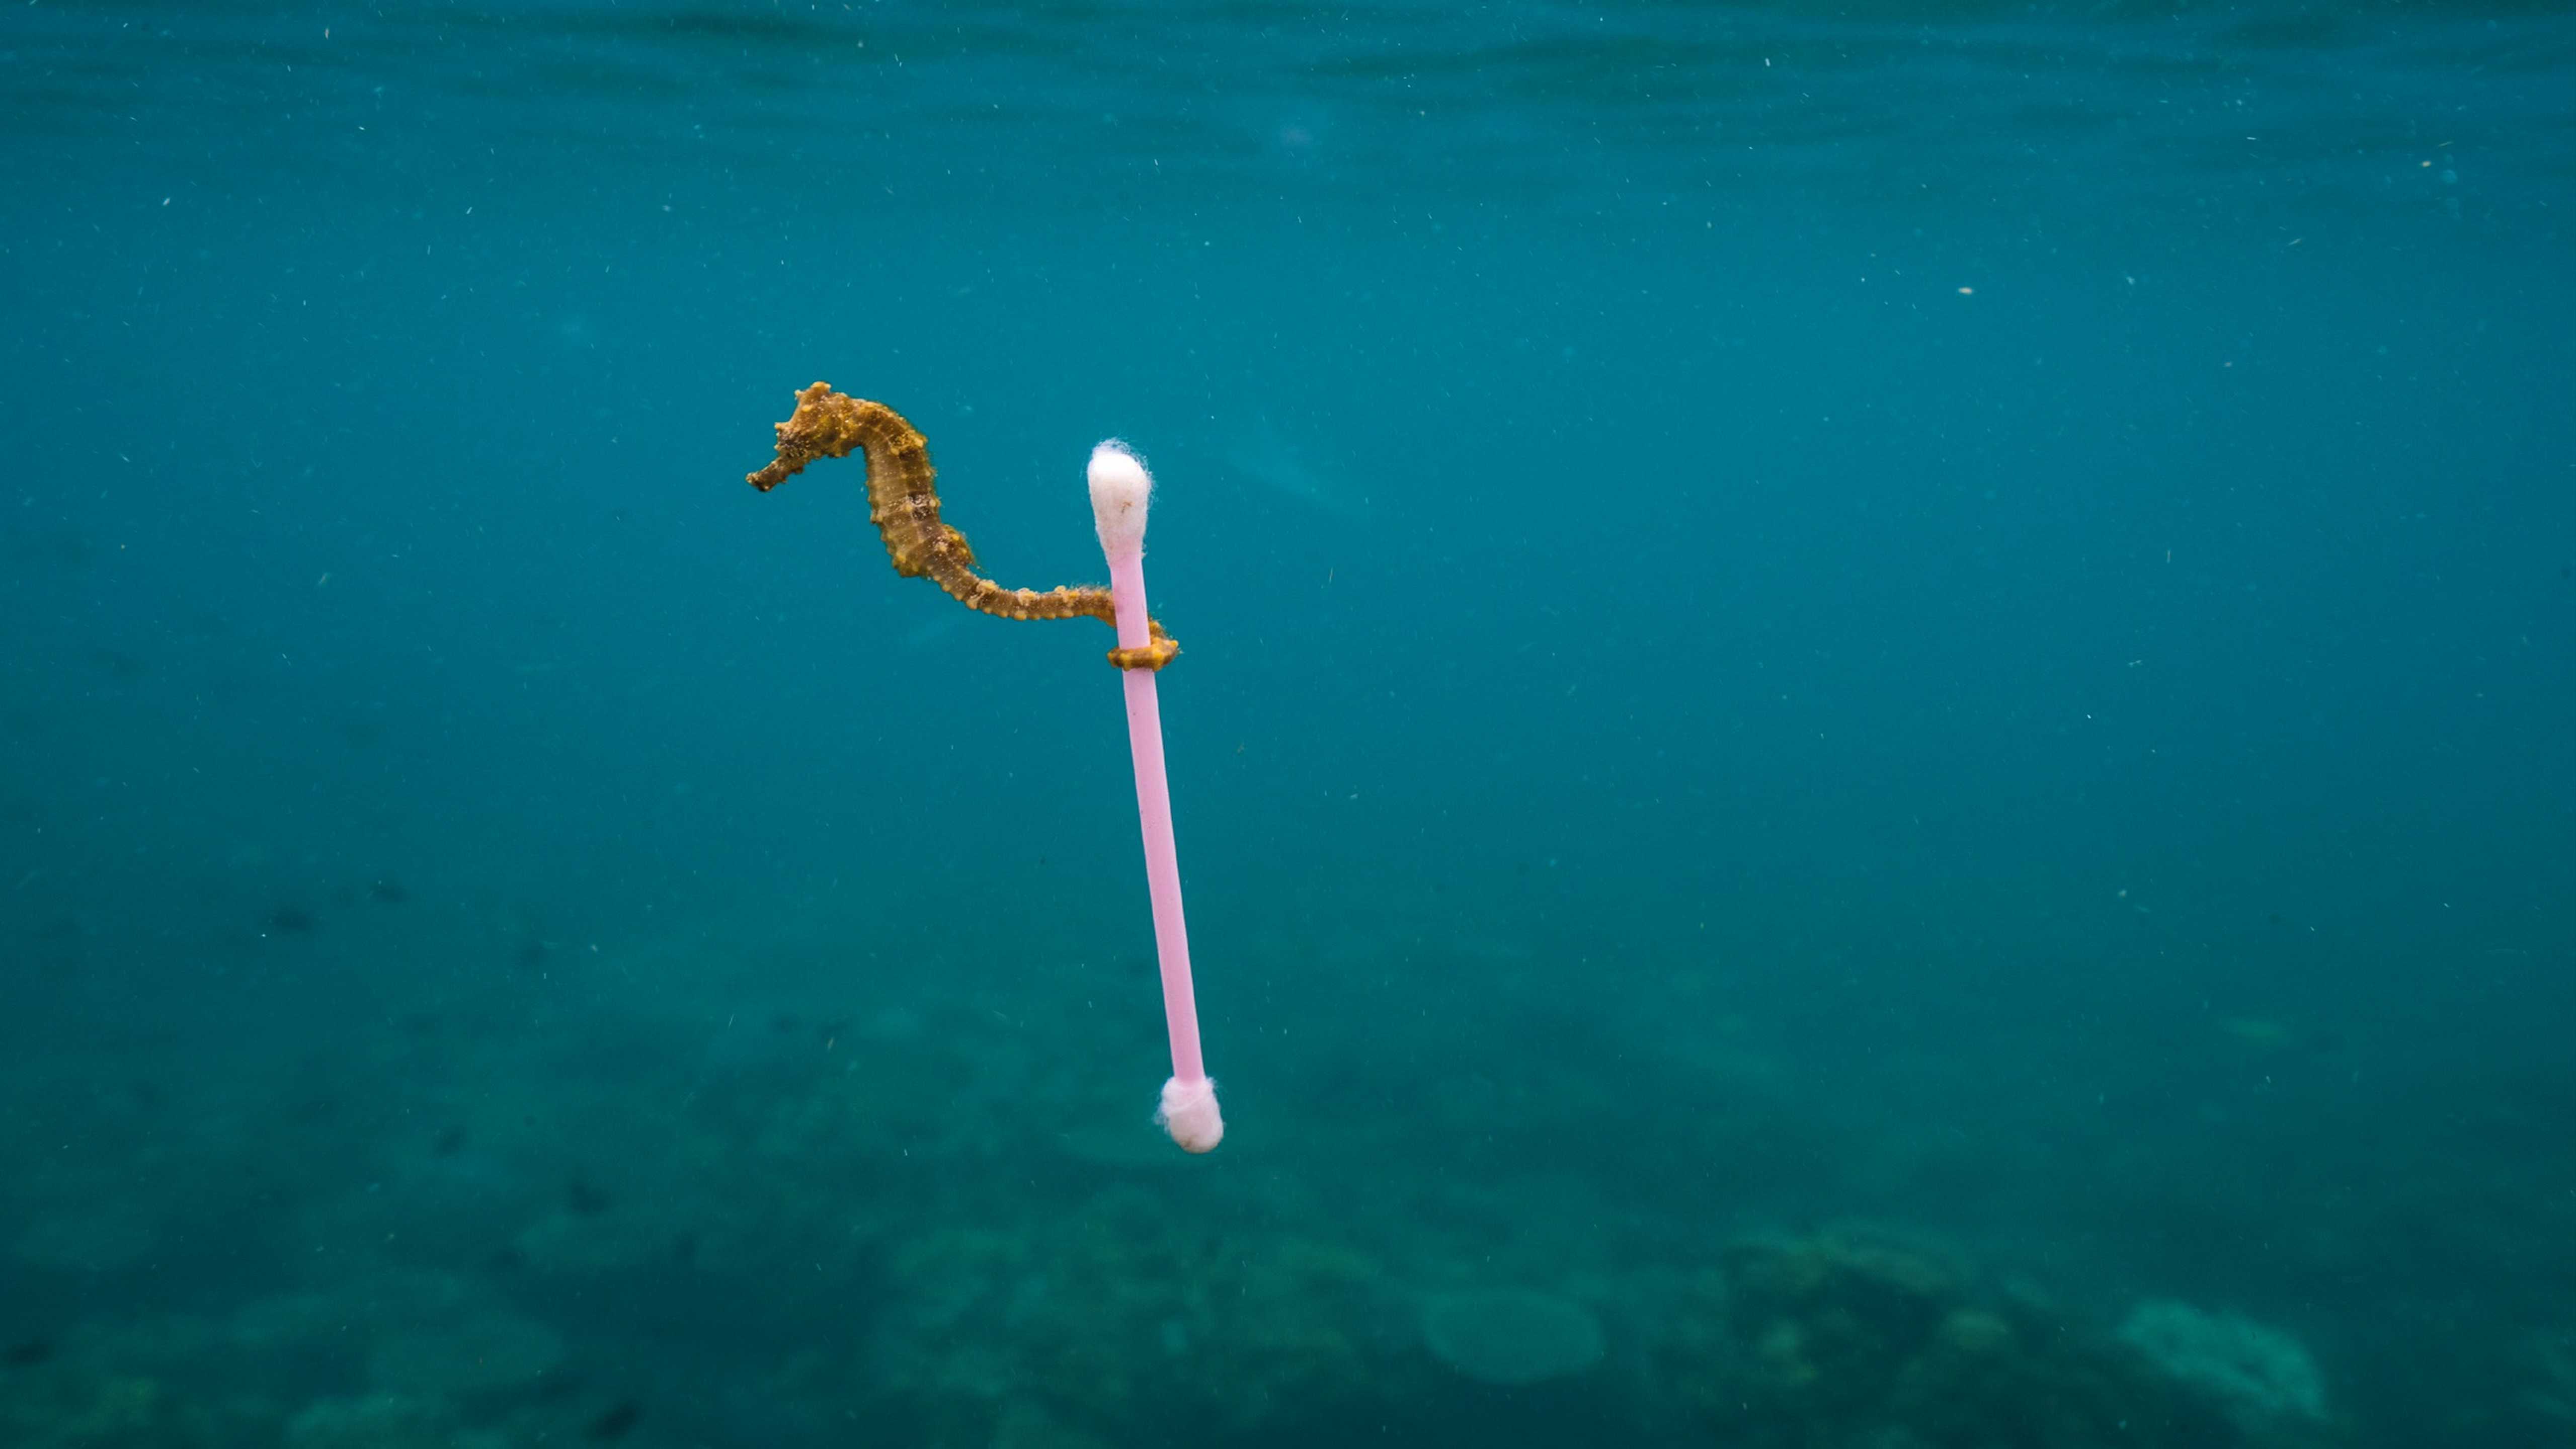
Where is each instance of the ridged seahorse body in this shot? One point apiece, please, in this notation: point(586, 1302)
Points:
point(903, 503)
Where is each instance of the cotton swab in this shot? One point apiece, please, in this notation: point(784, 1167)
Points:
point(1120, 491)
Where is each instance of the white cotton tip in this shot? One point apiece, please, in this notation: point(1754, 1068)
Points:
point(1189, 1114)
point(1119, 489)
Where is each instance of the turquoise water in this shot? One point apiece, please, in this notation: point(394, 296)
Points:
point(1872, 749)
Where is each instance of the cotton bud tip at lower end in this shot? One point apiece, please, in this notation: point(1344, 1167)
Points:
point(1120, 487)
point(1189, 1114)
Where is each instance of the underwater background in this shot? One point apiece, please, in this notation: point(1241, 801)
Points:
point(1873, 745)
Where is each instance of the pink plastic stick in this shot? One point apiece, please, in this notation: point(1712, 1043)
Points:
point(1120, 488)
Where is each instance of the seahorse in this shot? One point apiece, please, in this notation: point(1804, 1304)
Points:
point(903, 503)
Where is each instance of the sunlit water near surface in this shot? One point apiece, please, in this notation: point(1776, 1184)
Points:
point(1873, 744)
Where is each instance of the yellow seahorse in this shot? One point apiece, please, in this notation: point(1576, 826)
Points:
point(903, 502)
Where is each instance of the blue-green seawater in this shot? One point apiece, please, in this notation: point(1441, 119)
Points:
point(1875, 747)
